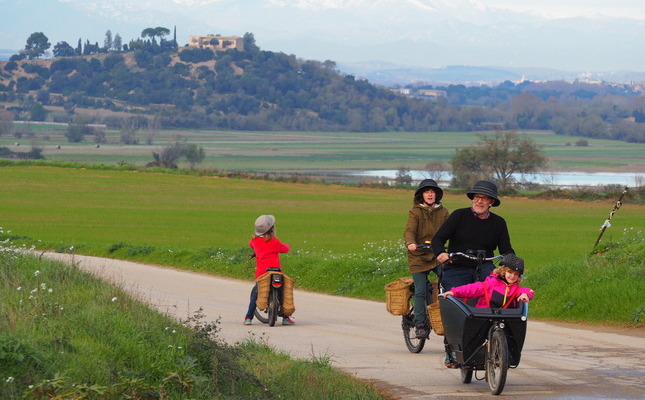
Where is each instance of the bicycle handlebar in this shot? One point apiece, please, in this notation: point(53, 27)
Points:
point(474, 257)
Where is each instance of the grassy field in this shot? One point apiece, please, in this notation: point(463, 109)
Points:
point(322, 151)
point(204, 223)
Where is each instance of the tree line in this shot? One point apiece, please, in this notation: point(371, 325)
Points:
point(253, 89)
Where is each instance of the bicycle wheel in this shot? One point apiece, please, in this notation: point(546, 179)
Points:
point(497, 362)
point(261, 315)
point(273, 306)
point(466, 374)
point(414, 344)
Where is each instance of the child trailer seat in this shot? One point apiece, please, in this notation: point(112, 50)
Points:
point(466, 330)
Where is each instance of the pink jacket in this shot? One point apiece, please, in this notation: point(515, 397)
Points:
point(494, 292)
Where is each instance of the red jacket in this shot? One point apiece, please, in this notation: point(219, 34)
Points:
point(266, 253)
point(494, 292)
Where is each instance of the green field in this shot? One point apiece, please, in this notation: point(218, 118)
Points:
point(97, 208)
point(204, 223)
point(296, 152)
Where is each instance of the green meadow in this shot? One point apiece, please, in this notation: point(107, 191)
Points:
point(346, 240)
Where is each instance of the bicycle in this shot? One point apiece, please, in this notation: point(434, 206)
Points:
point(412, 342)
point(488, 339)
point(270, 314)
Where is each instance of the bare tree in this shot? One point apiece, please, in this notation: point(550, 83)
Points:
point(497, 157)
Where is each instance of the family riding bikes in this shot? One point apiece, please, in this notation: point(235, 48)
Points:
point(484, 334)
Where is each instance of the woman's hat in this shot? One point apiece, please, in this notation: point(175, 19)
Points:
point(263, 224)
point(485, 187)
point(429, 184)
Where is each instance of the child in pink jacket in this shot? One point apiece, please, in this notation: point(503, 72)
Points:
point(501, 289)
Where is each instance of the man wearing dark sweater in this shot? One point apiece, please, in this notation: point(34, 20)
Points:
point(471, 229)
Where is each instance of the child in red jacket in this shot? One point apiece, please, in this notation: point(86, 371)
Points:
point(267, 248)
point(501, 289)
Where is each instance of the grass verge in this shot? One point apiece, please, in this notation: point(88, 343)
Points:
point(65, 334)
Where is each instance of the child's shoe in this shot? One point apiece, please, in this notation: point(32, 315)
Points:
point(248, 321)
point(287, 321)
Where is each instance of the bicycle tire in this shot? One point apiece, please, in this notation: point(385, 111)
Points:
point(261, 315)
point(414, 344)
point(466, 374)
point(273, 307)
point(497, 362)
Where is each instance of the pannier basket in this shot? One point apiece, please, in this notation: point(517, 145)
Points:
point(434, 313)
point(264, 286)
point(397, 296)
point(288, 306)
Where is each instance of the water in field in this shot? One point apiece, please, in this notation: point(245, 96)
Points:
point(555, 179)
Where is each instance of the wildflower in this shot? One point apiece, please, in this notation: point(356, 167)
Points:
point(50, 290)
point(37, 273)
point(19, 288)
point(71, 248)
point(114, 299)
point(9, 379)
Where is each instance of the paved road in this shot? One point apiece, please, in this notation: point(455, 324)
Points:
point(365, 341)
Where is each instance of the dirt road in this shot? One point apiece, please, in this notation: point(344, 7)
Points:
point(365, 341)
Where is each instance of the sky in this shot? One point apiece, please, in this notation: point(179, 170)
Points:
point(572, 35)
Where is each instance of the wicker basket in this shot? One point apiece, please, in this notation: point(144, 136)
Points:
point(264, 286)
point(397, 296)
point(435, 291)
point(288, 306)
point(435, 318)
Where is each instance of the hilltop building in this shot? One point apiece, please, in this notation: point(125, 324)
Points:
point(216, 42)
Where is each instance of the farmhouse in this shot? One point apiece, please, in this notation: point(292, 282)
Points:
point(434, 94)
point(216, 42)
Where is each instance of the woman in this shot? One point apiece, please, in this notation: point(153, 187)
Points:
point(424, 218)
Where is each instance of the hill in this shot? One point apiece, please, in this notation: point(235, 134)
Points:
point(161, 86)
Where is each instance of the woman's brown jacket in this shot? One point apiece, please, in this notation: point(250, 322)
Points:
point(423, 223)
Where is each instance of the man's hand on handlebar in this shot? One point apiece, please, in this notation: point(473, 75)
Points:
point(443, 258)
point(412, 247)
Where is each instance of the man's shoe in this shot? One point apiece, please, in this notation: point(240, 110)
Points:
point(449, 362)
point(248, 321)
point(422, 332)
point(287, 321)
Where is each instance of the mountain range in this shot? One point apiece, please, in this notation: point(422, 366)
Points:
point(405, 40)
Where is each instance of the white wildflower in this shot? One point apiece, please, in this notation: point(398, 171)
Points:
point(114, 299)
point(37, 273)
